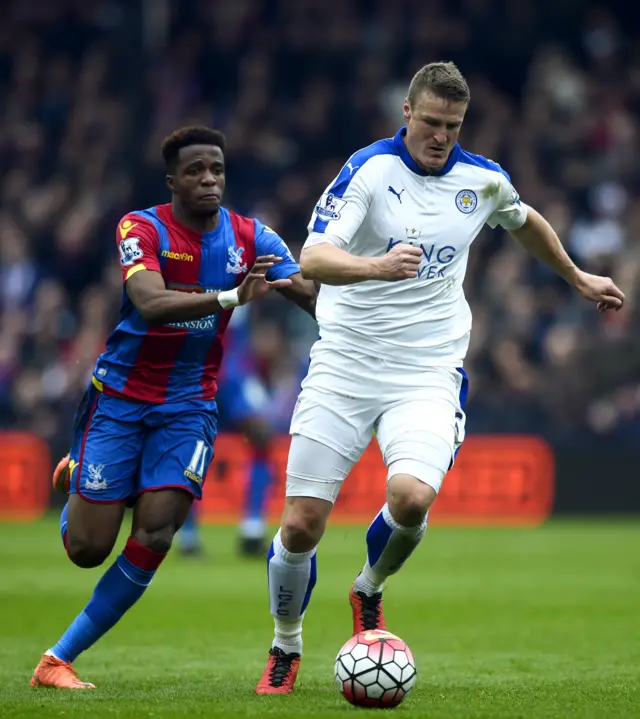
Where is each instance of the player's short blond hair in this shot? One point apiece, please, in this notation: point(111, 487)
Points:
point(442, 79)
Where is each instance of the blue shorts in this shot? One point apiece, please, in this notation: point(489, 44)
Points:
point(122, 448)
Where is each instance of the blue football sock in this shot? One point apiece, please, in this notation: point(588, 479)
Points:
point(119, 589)
point(63, 524)
point(260, 479)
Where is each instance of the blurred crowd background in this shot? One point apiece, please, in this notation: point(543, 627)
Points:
point(88, 90)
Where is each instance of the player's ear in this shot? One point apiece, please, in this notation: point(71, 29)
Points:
point(406, 110)
point(169, 181)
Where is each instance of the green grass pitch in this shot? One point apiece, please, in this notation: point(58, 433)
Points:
point(514, 623)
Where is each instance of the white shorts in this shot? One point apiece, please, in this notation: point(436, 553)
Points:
point(417, 414)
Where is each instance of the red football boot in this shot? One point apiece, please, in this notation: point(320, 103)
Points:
point(367, 611)
point(62, 474)
point(280, 673)
point(53, 672)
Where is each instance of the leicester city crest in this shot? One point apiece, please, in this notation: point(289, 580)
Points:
point(466, 201)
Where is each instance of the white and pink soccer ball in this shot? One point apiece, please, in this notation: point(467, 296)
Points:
point(375, 669)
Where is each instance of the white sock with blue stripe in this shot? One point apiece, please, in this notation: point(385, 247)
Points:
point(389, 545)
point(292, 577)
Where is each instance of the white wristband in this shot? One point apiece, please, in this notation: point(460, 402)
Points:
point(228, 299)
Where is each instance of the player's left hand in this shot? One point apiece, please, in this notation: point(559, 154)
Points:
point(599, 289)
point(255, 284)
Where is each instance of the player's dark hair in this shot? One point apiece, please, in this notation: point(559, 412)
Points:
point(186, 136)
point(442, 79)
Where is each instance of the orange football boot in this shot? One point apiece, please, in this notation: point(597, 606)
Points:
point(280, 673)
point(367, 611)
point(53, 672)
point(62, 474)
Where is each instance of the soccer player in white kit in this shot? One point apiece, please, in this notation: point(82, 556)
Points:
point(389, 242)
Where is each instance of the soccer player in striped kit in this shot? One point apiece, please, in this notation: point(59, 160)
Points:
point(143, 435)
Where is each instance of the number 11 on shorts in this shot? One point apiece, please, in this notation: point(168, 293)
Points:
point(198, 462)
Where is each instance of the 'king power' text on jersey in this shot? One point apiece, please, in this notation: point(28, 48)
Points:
point(163, 363)
point(380, 198)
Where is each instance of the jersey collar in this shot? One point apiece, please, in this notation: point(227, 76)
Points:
point(403, 154)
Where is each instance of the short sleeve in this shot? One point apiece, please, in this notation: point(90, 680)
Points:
point(138, 245)
point(510, 212)
point(269, 242)
point(342, 208)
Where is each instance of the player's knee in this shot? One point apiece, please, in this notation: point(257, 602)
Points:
point(87, 554)
point(409, 499)
point(157, 540)
point(302, 527)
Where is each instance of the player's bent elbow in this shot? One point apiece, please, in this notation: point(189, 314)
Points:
point(312, 262)
point(307, 274)
point(152, 313)
point(307, 268)
point(149, 296)
point(151, 316)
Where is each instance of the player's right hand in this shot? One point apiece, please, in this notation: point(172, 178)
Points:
point(255, 284)
point(400, 263)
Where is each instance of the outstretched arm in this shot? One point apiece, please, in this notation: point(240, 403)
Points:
point(158, 305)
point(540, 240)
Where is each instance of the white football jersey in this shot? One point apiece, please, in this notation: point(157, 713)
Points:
point(381, 197)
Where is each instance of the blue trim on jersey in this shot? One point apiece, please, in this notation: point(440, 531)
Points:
point(464, 387)
point(389, 146)
point(468, 158)
point(357, 161)
point(403, 154)
point(462, 400)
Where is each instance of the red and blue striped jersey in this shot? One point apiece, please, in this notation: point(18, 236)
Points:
point(163, 363)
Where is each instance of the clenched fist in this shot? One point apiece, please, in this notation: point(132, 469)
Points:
point(400, 263)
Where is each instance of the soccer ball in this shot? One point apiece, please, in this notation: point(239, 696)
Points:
point(375, 669)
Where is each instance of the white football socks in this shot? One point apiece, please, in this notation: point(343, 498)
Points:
point(288, 635)
point(292, 577)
